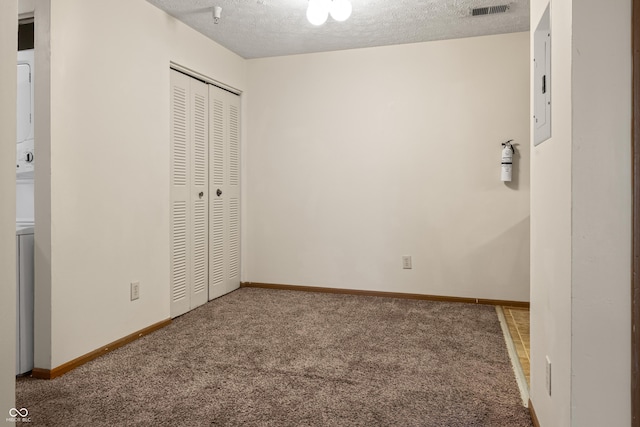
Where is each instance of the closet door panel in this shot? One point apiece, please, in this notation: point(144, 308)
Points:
point(233, 191)
point(224, 168)
point(217, 189)
point(180, 174)
point(199, 192)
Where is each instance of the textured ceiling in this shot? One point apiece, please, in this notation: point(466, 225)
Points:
point(262, 28)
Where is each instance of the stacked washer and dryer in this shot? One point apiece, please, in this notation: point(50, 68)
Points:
point(25, 213)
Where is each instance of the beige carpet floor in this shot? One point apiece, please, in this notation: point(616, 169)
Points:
point(261, 357)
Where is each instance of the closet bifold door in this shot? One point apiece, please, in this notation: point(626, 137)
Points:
point(189, 128)
point(224, 188)
point(199, 193)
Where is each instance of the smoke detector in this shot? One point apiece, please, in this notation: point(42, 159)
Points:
point(217, 12)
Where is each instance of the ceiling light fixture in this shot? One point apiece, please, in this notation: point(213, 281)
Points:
point(340, 10)
point(319, 10)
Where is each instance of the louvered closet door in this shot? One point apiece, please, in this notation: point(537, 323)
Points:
point(199, 192)
point(189, 193)
point(224, 188)
point(180, 219)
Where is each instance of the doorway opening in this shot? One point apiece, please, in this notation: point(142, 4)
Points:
point(25, 198)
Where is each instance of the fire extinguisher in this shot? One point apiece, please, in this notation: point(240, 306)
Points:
point(507, 160)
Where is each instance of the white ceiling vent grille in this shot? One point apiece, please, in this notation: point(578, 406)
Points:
point(489, 10)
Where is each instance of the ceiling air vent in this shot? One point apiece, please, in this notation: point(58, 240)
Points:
point(489, 10)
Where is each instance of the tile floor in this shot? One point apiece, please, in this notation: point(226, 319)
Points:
point(518, 322)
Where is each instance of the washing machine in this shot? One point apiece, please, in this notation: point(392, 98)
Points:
point(24, 297)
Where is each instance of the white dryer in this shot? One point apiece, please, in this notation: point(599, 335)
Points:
point(25, 119)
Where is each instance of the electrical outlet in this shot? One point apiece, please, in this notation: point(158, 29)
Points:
point(406, 262)
point(135, 290)
point(548, 376)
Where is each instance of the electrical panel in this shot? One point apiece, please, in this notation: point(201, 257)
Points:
point(542, 80)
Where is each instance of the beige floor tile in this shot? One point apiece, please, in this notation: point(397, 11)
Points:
point(518, 323)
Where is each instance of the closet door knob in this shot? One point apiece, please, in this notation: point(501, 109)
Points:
point(219, 192)
point(201, 194)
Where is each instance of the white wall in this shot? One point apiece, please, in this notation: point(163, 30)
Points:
point(601, 227)
point(355, 158)
point(42, 172)
point(551, 233)
point(109, 168)
point(26, 8)
point(580, 221)
point(8, 57)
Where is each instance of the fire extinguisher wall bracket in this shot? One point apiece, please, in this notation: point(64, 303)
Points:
point(507, 161)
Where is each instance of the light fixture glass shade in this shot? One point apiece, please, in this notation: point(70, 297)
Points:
point(318, 11)
point(340, 10)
